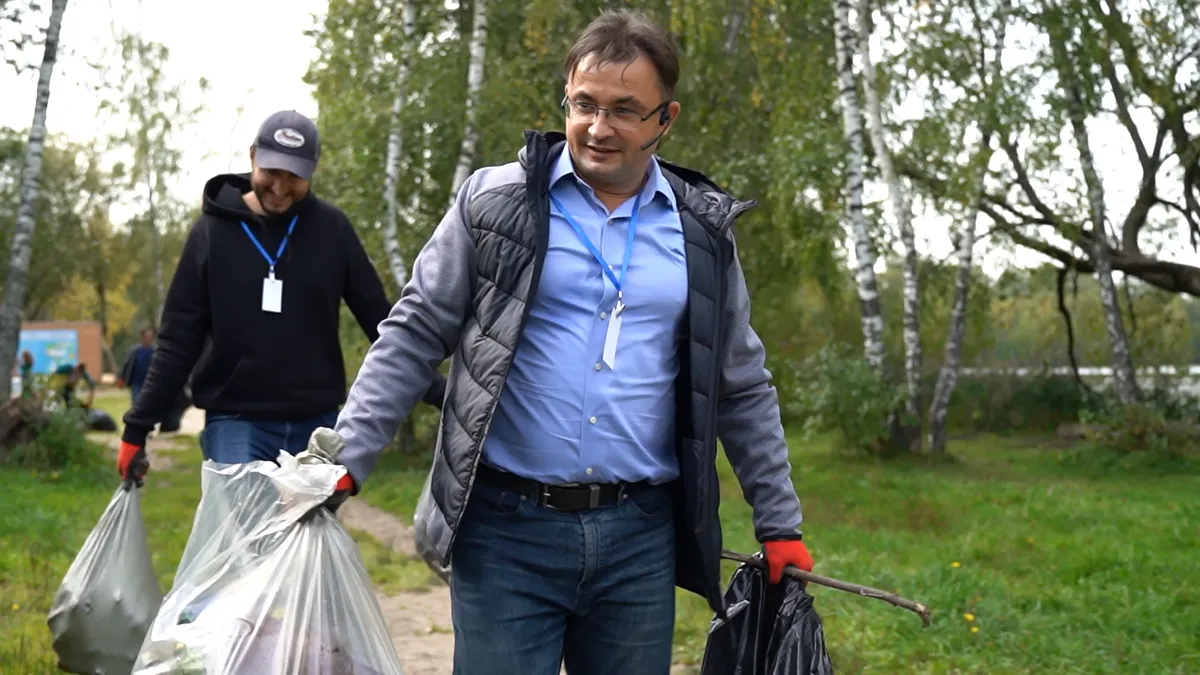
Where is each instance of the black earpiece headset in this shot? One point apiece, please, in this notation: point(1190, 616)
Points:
point(664, 118)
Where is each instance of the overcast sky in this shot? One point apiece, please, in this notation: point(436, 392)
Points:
point(254, 54)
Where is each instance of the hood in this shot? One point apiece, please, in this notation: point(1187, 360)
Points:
point(223, 199)
point(710, 203)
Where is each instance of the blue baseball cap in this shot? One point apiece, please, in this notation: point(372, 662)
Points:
point(288, 141)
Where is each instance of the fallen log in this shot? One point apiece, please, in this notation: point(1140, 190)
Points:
point(21, 420)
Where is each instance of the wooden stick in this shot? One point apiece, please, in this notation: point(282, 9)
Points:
point(865, 591)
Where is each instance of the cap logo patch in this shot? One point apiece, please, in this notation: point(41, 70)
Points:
point(289, 138)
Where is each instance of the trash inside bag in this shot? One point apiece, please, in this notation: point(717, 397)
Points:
point(270, 582)
point(771, 630)
point(109, 595)
point(421, 539)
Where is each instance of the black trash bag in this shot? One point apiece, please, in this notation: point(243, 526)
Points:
point(771, 630)
point(98, 420)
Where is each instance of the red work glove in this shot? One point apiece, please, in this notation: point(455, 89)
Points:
point(783, 552)
point(341, 492)
point(132, 463)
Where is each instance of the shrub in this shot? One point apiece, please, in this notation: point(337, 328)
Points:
point(1004, 403)
point(836, 390)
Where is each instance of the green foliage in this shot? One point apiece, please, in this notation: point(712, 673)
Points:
point(1010, 403)
point(838, 391)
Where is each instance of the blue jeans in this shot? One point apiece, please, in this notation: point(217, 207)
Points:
point(234, 439)
point(532, 587)
point(134, 391)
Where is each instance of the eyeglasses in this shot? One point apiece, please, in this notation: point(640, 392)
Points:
point(624, 119)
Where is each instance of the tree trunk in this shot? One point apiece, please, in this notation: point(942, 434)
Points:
point(902, 212)
point(22, 241)
point(102, 297)
point(948, 374)
point(160, 293)
point(391, 177)
point(1124, 376)
point(478, 51)
point(391, 173)
point(868, 288)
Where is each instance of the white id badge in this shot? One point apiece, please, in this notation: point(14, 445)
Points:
point(272, 298)
point(610, 337)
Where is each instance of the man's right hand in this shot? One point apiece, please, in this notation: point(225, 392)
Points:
point(132, 463)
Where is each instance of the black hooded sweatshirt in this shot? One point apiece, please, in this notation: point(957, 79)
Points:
point(263, 365)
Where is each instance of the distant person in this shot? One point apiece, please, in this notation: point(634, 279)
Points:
point(26, 374)
point(137, 364)
point(261, 277)
point(66, 378)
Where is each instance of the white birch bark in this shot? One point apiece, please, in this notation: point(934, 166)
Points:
point(156, 249)
point(16, 284)
point(868, 288)
point(902, 212)
point(478, 54)
point(1124, 377)
point(395, 148)
point(947, 379)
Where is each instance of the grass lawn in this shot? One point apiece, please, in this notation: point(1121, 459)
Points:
point(1029, 565)
point(45, 516)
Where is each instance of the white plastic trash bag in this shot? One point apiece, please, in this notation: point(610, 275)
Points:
point(270, 582)
point(421, 539)
point(109, 595)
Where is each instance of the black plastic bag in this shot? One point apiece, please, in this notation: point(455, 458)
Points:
point(770, 630)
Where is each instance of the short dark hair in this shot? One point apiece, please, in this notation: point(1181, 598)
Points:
point(619, 37)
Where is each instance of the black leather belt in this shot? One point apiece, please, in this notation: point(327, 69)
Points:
point(567, 497)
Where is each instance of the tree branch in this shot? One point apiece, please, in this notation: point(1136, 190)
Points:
point(1010, 149)
point(829, 582)
point(1122, 99)
point(1066, 314)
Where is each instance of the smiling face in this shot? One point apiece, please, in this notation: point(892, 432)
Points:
point(607, 158)
point(276, 190)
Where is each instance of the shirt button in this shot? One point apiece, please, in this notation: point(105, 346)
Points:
point(598, 366)
point(592, 420)
point(589, 471)
point(603, 315)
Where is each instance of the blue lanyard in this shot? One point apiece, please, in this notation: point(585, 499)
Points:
point(282, 245)
point(617, 282)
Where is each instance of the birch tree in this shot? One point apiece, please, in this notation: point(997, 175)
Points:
point(990, 83)
point(901, 206)
point(22, 241)
point(470, 139)
point(151, 109)
point(868, 288)
point(1066, 63)
point(391, 172)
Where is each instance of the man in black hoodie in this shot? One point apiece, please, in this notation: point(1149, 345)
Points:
point(260, 279)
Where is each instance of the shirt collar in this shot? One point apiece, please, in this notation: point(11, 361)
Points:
point(655, 185)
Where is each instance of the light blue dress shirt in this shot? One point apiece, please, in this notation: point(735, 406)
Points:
point(564, 416)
